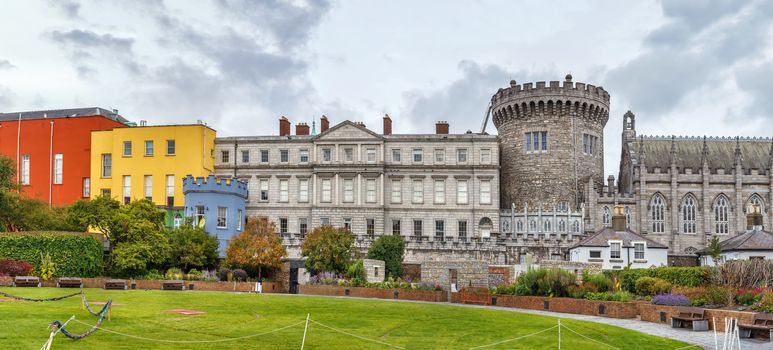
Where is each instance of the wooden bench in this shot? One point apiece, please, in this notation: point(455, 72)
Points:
point(116, 284)
point(69, 282)
point(173, 285)
point(692, 316)
point(26, 281)
point(763, 322)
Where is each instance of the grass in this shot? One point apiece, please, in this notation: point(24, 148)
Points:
point(23, 325)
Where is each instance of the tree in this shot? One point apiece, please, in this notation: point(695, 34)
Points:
point(328, 249)
point(390, 249)
point(715, 249)
point(258, 245)
point(6, 174)
point(192, 247)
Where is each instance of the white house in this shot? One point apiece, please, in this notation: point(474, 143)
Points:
point(755, 243)
point(617, 247)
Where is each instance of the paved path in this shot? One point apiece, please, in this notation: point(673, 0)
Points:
point(702, 339)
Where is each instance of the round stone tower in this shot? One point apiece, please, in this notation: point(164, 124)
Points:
point(551, 142)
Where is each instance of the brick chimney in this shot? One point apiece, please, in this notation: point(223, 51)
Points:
point(387, 125)
point(284, 126)
point(441, 128)
point(611, 185)
point(324, 124)
point(302, 129)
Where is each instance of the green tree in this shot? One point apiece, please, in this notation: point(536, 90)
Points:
point(259, 246)
point(7, 170)
point(328, 249)
point(391, 250)
point(192, 247)
point(715, 249)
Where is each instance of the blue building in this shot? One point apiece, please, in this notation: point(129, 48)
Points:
point(217, 205)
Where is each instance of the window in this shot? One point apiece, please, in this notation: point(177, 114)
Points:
point(563, 206)
point(170, 190)
point(149, 187)
point(198, 215)
point(264, 190)
point(576, 226)
point(417, 155)
point(440, 156)
point(605, 216)
point(107, 166)
point(283, 226)
point(720, 215)
point(417, 226)
point(264, 156)
point(461, 155)
point(149, 148)
point(536, 141)
point(238, 219)
point(245, 156)
point(370, 154)
point(753, 201)
point(326, 190)
point(303, 190)
point(370, 227)
point(86, 187)
point(462, 228)
point(348, 224)
point(595, 254)
point(303, 226)
point(440, 228)
point(688, 214)
point(25, 169)
point(614, 250)
point(485, 192)
point(127, 189)
point(546, 226)
point(171, 147)
point(440, 191)
point(627, 212)
point(589, 144)
point(348, 190)
point(485, 156)
point(370, 190)
point(304, 155)
point(284, 190)
point(396, 155)
point(638, 251)
point(177, 221)
point(58, 164)
point(657, 212)
point(222, 219)
point(519, 225)
point(418, 191)
point(327, 154)
point(375, 271)
point(224, 156)
point(397, 191)
point(396, 227)
point(348, 154)
point(324, 221)
point(461, 192)
point(127, 148)
point(284, 156)
point(532, 225)
point(106, 192)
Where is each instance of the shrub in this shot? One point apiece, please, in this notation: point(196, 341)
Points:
point(600, 280)
point(75, 254)
point(745, 273)
point(750, 296)
point(223, 274)
point(719, 295)
point(239, 275)
point(194, 275)
point(621, 296)
point(47, 267)
point(152, 275)
point(765, 304)
point(548, 282)
point(390, 249)
point(671, 299)
point(677, 276)
point(652, 286)
point(173, 273)
point(356, 273)
point(13, 267)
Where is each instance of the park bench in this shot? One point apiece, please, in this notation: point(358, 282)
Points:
point(692, 316)
point(173, 285)
point(763, 322)
point(69, 282)
point(116, 284)
point(26, 281)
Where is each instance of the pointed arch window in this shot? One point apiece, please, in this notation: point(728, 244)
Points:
point(561, 225)
point(546, 226)
point(519, 226)
point(688, 214)
point(606, 216)
point(576, 226)
point(658, 214)
point(721, 225)
point(532, 225)
point(754, 200)
point(627, 216)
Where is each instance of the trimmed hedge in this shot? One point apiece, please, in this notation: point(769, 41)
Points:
point(76, 255)
point(678, 276)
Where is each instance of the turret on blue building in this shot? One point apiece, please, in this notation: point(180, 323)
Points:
point(217, 205)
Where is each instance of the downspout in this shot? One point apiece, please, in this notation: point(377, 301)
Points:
point(51, 165)
point(236, 145)
point(18, 152)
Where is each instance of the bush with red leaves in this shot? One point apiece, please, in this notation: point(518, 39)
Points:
point(13, 267)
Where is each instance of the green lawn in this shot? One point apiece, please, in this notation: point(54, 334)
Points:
point(23, 325)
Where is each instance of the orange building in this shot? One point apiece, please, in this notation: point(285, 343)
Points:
point(52, 150)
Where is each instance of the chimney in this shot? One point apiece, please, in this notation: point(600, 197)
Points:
point(324, 124)
point(387, 125)
point(302, 129)
point(284, 127)
point(611, 185)
point(441, 128)
point(618, 218)
point(754, 218)
point(143, 123)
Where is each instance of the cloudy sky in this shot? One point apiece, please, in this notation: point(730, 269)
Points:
point(686, 67)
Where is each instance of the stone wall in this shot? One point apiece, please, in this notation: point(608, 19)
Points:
point(411, 272)
point(396, 294)
point(468, 273)
point(374, 269)
point(499, 275)
point(659, 313)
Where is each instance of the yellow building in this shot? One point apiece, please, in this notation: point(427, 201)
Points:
point(150, 162)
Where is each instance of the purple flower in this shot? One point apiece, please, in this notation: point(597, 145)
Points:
point(671, 299)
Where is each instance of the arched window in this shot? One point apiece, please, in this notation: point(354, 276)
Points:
point(506, 226)
point(606, 216)
point(720, 215)
point(532, 225)
point(519, 226)
point(688, 214)
point(658, 213)
point(754, 200)
point(627, 216)
point(576, 226)
point(561, 225)
point(546, 226)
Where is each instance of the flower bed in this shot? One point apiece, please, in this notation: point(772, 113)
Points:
point(378, 293)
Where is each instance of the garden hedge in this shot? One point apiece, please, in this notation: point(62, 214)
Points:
point(678, 276)
point(78, 255)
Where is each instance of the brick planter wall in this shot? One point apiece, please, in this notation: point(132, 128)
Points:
point(651, 313)
point(377, 293)
point(99, 282)
point(566, 305)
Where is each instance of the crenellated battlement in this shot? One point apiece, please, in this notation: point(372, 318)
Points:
point(213, 184)
point(701, 138)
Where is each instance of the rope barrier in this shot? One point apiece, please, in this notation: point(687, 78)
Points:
point(356, 336)
point(54, 332)
point(88, 308)
point(687, 347)
point(39, 300)
point(509, 340)
point(102, 315)
point(591, 339)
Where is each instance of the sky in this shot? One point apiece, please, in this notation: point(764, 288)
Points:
point(683, 67)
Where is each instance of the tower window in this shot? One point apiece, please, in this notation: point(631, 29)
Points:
point(536, 141)
point(589, 143)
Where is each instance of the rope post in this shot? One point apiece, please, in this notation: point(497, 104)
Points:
point(303, 341)
point(559, 334)
point(109, 311)
point(714, 325)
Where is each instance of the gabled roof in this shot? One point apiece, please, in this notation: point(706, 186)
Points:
point(63, 113)
point(343, 124)
point(602, 238)
point(749, 240)
point(720, 152)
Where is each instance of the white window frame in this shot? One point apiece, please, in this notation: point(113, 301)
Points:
point(485, 192)
point(461, 155)
point(658, 213)
point(86, 187)
point(284, 156)
point(417, 189)
point(326, 191)
point(397, 191)
point(264, 187)
point(689, 224)
point(485, 156)
point(148, 183)
point(461, 228)
point(222, 217)
point(225, 156)
point(169, 186)
point(598, 252)
point(721, 222)
point(417, 155)
point(149, 151)
point(107, 166)
point(348, 189)
point(370, 154)
point(127, 187)
point(58, 168)
point(348, 154)
point(303, 190)
point(440, 191)
point(619, 245)
point(462, 191)
point(171, 145)
point(636, 251)
point(304, 153)
point(440, 156)
point(239, 219)
point(245, 156)
point(396, 155)
point(125, 148)
point(284, 190)
point(267, 154)
point(370, 191)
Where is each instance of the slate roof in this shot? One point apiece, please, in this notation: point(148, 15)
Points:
point(749, 240)
point(755, 152)
point(601, 238)
point(63, 113)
